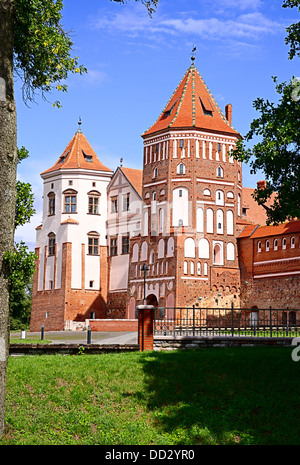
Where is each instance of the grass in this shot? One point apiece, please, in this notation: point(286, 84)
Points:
point(210, 396)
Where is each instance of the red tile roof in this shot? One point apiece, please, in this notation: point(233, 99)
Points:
point(284, 228)
point(78, 154)
point(135, 177)
point(192, 105)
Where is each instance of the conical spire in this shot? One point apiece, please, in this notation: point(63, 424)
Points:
point(192, 105)
point(78, 154)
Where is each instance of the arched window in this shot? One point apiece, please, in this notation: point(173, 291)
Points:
point(93, 243)
point(185, 267)
point(189, 247)
point(209, 220)
point(198, 268)
point(220, 221)
point(275, 244)
point(145, 226)
point(203, 248)
point(229, 221)
point(180, 206)
point(51, 203)
point(161, 220)
point(135, 253)
point(170, 247)
point(284, 243)
point(220, 172)
point(259, 246)
point(218, 258)
point(206, 192)
point(199, 221)
point(70, 201)
point(230, 251)
point(192, 267)
point(161, 248)
point(181, 168)
point(292, 242)
point(51, 243)
point(93, 202)
point(155, 173)
point(205, 269)
point(144, 251)
point(267, 246)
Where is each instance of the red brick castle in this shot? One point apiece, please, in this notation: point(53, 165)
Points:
point(186, 216)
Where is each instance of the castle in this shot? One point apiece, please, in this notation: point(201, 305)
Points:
point(183, 231)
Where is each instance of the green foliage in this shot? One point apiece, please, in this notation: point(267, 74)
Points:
point(19, 266)
point(42, 49)
point(277, 153)
point(293, 37)
point(24, 203)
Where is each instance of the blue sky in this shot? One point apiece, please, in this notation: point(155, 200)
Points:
point(135, 63)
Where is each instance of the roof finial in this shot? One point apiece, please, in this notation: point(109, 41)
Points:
point(193, 54)
point(79, 124)
point(121, 162)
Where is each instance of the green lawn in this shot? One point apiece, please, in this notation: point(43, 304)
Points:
point(209, 396)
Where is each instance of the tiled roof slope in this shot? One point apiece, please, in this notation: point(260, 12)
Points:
point(257, 231)
point(192, 105)
point(284, 228)
point(78, 154)
point(135, 177)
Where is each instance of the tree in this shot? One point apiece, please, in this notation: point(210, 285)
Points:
point(278, 152)
point(20, 263)
point(34, 44)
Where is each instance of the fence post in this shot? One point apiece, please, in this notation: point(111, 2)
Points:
point(270, 321)
point(232, 326)
point(193, 320)
point(89, 335)
point(145, 327)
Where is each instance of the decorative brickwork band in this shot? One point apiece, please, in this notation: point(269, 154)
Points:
point(145, 327)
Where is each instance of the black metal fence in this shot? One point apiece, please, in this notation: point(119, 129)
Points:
point(206, 322)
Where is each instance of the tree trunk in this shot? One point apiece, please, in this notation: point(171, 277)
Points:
point(8, 168)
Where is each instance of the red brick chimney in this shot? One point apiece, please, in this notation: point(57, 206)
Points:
point(228, 113)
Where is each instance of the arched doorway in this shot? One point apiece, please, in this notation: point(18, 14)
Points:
point(151, 299)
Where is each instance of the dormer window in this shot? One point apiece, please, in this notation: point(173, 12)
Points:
point(63, 157)
point(169, 111)
point(206, 107)
point(88, 158)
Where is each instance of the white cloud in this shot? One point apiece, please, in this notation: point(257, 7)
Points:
point(133, 21)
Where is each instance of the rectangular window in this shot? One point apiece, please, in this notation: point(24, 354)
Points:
point(126, 200)
point(113, 246)
point(125, 244)
point(93, 205)
point(70, 204)
point(114, 204)
point(52, 244)
point(93, 245)
point(52, 205)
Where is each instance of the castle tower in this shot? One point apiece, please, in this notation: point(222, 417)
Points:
point(192, 197)
point(70, 282)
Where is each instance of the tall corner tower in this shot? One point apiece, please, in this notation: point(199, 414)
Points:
point(192, 191)
point(70, 281)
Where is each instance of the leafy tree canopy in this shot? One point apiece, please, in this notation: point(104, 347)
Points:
point(277, 153)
